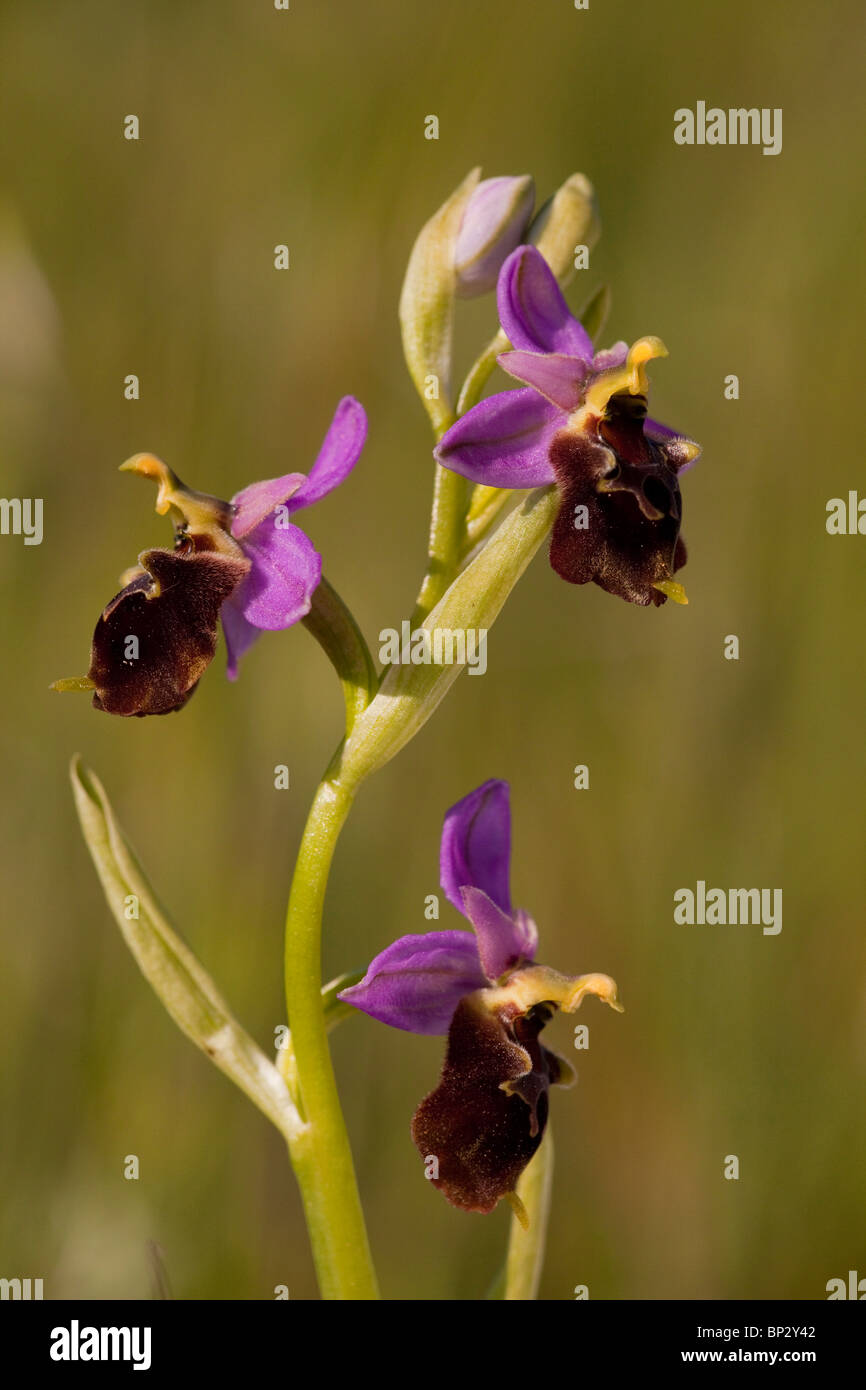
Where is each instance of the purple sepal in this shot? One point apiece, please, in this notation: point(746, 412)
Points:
point(240, 636)
point(417, 982)
point(286, 570)
point(504, 440)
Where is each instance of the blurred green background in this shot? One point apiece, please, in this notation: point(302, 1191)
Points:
point(156, 257)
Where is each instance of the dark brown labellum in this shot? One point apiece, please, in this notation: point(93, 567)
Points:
point(486, 1118)
point(157, 637)
point(619, 520)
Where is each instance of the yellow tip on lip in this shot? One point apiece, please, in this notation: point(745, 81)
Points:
point(147, 464)
point(688, 450)
point(645, 349)
point(672, 590)
point(72, 683)
point(518, 1208)
point(602, 986)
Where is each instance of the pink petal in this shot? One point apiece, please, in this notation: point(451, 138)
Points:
point(502, 939)
point(257, 501)
point(559, 378)
point(610, 357)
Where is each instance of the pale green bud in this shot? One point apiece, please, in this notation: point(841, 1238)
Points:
point(427, 305)
point(568, 221)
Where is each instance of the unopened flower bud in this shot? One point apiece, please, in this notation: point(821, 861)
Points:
point(494, 223)
point(427, 305)
point(568, 220)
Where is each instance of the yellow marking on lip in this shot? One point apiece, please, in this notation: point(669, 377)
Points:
point(538, 984)
point(72, 683)
point(672, 590)
point(518, 1208)
point(631, 377)
point(687, 451)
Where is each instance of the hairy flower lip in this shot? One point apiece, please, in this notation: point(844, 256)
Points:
point(169, 612)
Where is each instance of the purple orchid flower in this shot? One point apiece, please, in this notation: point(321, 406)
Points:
point(579, 421)
point(486, 1118)
point(243, 561)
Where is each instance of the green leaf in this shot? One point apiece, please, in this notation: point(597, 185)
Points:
point(409, 694)
point(176, 976)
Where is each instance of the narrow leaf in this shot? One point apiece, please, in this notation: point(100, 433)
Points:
point(177, 977)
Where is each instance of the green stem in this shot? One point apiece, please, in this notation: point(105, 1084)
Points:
point(335, 629)
point(520, 1274)
point(320, 1152)
point(447, 544)
point(321, 1155)
point(525, 1259)
point(450, 500)
point(409, 693)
